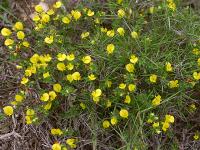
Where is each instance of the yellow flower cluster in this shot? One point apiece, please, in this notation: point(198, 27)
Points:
point(9, 42)
point(130, 67)
point(30, 116)
point(169, 119)
point(62, 65)
point(171, 5)
point(71, 142)
point(37, 62)
point(18, 98)
point(113, 121)
point(42, 15)
point(123, 113)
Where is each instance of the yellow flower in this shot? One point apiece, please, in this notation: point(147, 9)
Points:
point(61, 57)
point(46, 58)
point(46, 75)
point(169, 118)
point(76, 14)
point(108, 103)
point(90, 13)
point(91, 77)
point(196, 76)
point(25, 44)
point(86, 59)
point(85, 34)
point(57, 87)
point(47, 106)
point(52, 95)
point(173, 84)
point(198, 61)
point(110, 33)
point(155, 124)
point(83, 106)
point(56, 131)
point(96, 93)
point(19, 98)
point(33, 69)
point(50, 12)
point(153, 78)
point(134, 35)
point(45, 18)
point(18, 26)
point(127, 99)
point(70, 57)
point(168, 67)
point(71, 142)
point(121, 13)
point(76, 76)
point(14, 103)
point(6, 32)
point(130, 67)
point(131, 87)
point(35, 58)
point(56, 146)
point(119, 1)
point(123, 113)
point(121, 31)
point(44, 97)
point(48, 40)
point(38, 8)
point(156, 101)
point(103, 29)
point(28, 72)
point(122, 86)
point(30, 112)
point(171, 5)
point(97, 21)
point(165, 126)
point(8, 110)
point(151, 10)
point(19, 67)
point(134, 59)
point(106, 124)
point(110, 48)
point(66, 20)
point(36, 18)
point(28, 120)
point(24, 80)
point(61, 66)
point(113, 121)
point(70, 66)
point(8, 42)
point(108, 84)
point(196, 136)
point(20, 35)
point(58, 4)
point(96, 99)
point(69, 78)
point(196, 51)
point(192, 107)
